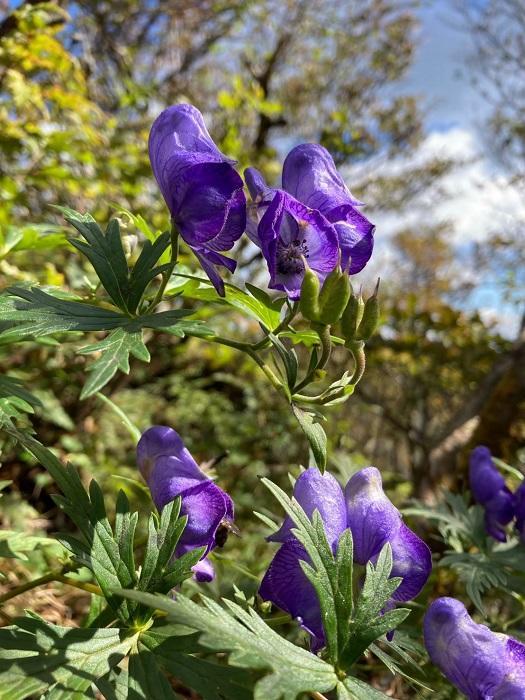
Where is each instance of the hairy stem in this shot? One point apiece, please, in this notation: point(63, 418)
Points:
point(41, 581)
point(166, 275)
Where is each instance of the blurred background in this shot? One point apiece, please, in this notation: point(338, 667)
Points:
point(422, 105)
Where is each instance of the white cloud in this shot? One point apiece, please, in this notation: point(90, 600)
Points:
point(476, 197)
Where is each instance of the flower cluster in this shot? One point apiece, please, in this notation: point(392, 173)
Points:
point(480, 663)
point(489, 489)
point(170, 471)
point(373, 520)
point(314, 217)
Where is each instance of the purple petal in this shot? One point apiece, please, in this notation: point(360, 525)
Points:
point(202, 190)
point(372, 517)
point(288, 231)
point(205, 504)
point(211, 205)
point(485, 479)
point(156, 441)
point(261, 195)
point(476, 660)
point(513, 685)
point(310, 175)
point(209, 259)
point(257, 186)
point(356, 236)
point(412, 561)
point(203, 571)
point(499, 511)
point(287, 587)
point(322, 492)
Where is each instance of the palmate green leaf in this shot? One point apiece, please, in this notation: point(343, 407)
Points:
point(393, 664)
point(251, 644)
point(314, 431)
point(115, 350)
point(368, 623)
point(105, 252)
point(211, 680)
point(35, 313)
point(354, 689)
point(15, 400)
point(478, 572)
point(260, 307)
point(37, 656)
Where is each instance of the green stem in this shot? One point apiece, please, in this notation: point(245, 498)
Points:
point(46, 578)
point(326, 344)
point(358, 353)
point(131, 428)
point(248, 349)
point(88, 587)
point(283, 325)
point(166, 275)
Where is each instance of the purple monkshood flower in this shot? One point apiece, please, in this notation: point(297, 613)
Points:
point(170, 471)
point(488, 488)
point(203, 191)
point(313, 216)
point(373, 520)
point(480, 663)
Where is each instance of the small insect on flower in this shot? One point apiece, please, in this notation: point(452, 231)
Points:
point(224, 529)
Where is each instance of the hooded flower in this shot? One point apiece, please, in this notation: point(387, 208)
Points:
point(480, 663)
point(373, 520)
point(170, 471)
point(310, 175)
point(203, 191)
point(288, 231)
point(285, 584)
point(488, 488)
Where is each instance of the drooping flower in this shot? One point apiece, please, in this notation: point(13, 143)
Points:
point(310, 175)
point(373, 520)
point(170, 471)
point(489, 489)
point(203, 191)
point(480, 663)
point(285, 583)
point(288, 231)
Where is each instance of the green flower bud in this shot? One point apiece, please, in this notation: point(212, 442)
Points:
point(370, 319)
point(351, 317)
point(334, 296)
point(309, 299)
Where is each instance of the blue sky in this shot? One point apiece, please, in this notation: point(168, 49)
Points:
point(476, 196)
point(440, 72)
